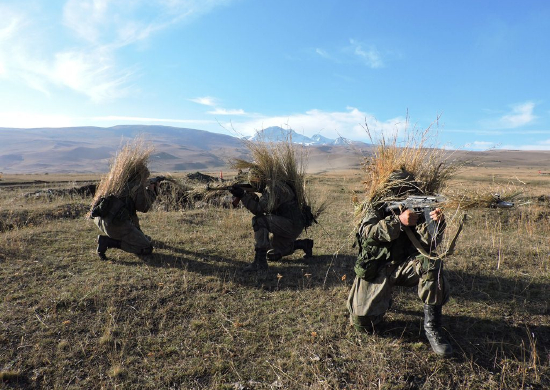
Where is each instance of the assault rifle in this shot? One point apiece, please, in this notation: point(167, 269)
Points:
point(245, 186)
point(156, 179)
point(420, 204)
point(498, 203)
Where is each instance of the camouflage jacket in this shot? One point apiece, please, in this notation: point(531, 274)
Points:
point(381, 239)
point(277, 200)
point(118, 209)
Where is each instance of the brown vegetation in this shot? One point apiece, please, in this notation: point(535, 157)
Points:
point(186, 317)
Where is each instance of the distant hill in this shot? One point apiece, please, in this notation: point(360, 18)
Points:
point(90, 149)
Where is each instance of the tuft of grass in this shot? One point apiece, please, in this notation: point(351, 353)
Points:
point(130, 163)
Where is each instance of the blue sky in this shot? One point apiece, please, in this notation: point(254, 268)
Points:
point(323, 66)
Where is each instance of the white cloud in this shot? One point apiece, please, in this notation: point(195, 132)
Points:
point(112, 119)
point(85, 59)
point(223, 111)
point(521, 114)
point(369, 56)
point(480, 145)
point(26, 120)
point(349, 124)
point(205, 101)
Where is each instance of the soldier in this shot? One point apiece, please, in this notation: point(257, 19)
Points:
point(276, 211)
point(123, 192)
point(388, 258)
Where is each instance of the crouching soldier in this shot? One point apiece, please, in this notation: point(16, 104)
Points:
point(390, 246)
point(115, 206)
point(276, 211)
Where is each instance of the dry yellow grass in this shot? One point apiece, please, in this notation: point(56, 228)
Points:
point(130, 163)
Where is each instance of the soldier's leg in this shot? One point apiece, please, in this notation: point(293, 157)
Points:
point(368, 301)
point(433, 289)
point(104, 242)
point(136, 242)
point(131, 239)
point(284, 235)
point(261, 244)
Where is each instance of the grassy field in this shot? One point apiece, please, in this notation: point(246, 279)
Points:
point(187, 318)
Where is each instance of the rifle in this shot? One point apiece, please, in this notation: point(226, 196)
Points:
point(498, 203)
point(420, 204)
point(156, 179)
point(245, 186)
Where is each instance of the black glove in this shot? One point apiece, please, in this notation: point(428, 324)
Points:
point(237, 191)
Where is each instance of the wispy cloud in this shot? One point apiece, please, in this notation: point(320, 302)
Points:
point(205, 101)
point(137, 119)
point(479, 145)
point(369, 55)
point(521, 114)
point(223, 111)
point(84, 56)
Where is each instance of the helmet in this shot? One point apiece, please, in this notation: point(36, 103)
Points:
point(256, 179)
point(402, 182)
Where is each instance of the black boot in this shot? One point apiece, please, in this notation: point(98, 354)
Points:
point(434, 333)
point(104, 243)
point(259, 263)
point(306, 245)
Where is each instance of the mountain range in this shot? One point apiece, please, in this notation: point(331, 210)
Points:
point(90, 150)
point(275, 133)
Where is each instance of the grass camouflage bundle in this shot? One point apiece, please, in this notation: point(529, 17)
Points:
point(275, 163)
point(430, 166)
point(130, 163)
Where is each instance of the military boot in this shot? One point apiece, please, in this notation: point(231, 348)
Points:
point(104, 243)
point(306, 245)
point(259, 263)
point(434, 333)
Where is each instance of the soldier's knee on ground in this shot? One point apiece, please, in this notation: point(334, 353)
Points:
point(367, 324)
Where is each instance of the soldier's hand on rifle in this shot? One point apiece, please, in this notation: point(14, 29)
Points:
point(437, 215)
point(408, 217)
point(237, 192)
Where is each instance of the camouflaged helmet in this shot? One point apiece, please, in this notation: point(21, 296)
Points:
point(256, 179)
point(403, 182)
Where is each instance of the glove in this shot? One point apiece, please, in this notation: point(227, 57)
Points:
point(237, 191)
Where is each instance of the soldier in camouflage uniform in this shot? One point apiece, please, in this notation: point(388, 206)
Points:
point(116, 217)
point(276, 211)
point(388, 258)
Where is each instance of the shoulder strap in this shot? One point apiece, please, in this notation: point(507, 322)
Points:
point(423, 252)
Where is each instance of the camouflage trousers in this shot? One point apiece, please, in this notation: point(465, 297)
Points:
point(283, 234)
point(132, 239)
point(369, 301)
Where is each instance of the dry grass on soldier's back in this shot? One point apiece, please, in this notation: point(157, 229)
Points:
point(186, 317)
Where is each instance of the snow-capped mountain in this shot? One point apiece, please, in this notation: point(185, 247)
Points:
point(276, 133)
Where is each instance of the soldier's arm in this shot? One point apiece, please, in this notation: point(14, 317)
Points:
point(253, 204)
point(144, 199)
point(380, 229)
